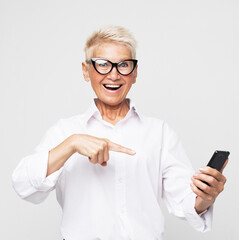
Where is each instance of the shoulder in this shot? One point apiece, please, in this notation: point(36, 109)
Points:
point(60, 130)
point(158, 125)
point(72, 120)
point(66, 126)
point(153, 122)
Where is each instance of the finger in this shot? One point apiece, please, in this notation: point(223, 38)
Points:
point(118, 148)
point(106, 154)
point(200, 193)
point(100, 157)
point(206, 179)
point(93, 157)
point(202, 186)
point(213, 172)
point(104, 164)
point(106, 157)
point(224, 165)
point(213, 187)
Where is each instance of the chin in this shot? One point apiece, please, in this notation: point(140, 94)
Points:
point(111, 101)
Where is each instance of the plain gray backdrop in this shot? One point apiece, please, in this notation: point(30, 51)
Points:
point(188, 75)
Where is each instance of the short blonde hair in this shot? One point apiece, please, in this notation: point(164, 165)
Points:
point(111, 33)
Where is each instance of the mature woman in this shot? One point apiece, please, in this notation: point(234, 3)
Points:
point(111, 166)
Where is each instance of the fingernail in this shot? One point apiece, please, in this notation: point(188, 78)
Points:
point(132, 151)
point(201, 168)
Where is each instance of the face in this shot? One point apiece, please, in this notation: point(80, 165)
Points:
point(115, 53)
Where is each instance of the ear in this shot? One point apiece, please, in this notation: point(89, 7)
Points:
point(85, 70)
point(135, 74)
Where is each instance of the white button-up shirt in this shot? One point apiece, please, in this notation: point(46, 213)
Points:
point(119, 201)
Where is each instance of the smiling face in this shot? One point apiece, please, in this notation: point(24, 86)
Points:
point(115, 53)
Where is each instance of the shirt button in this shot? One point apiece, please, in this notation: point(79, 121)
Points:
point(120, 180)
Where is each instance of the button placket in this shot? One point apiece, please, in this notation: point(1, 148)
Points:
point(120, 187)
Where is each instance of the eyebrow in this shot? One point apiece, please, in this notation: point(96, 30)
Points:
point(114, 61)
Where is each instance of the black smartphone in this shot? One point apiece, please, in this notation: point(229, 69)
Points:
point(218, 159)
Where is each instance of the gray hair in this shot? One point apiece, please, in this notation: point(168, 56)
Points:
point(114, 34)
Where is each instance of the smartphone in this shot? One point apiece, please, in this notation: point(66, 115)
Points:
point(218, 159)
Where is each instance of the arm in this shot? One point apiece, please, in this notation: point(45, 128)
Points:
point(59, 155)
point(37, 174)
point(96, 149)
point(177, 194)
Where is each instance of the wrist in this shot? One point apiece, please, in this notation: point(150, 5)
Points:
point(201, 205)
point(72, 141)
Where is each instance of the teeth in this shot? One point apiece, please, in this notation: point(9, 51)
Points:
point(112, 86)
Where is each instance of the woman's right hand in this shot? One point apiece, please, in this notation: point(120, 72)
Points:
point(97, 149)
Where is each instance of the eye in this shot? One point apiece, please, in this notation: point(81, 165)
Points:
point(123, 64)
point(102, 63)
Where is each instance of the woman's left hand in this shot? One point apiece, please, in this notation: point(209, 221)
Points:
point(207, 194)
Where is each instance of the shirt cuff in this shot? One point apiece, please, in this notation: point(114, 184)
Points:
point(37, 170)
point(200, 222)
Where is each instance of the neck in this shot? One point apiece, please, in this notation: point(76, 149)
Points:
point(112, 114)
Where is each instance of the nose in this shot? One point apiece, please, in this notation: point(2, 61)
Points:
point(113, 75)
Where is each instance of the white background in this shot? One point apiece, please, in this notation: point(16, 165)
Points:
point(188, 54)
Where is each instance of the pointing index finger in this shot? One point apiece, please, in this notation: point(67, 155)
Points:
point(118, 148)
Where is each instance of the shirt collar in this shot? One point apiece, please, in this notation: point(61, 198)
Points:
point(93, 111)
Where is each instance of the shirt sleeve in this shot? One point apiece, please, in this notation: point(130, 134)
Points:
point(201, 222)
point(29, 177)
point(176, 179)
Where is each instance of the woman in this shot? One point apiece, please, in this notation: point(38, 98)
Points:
point(111, 166)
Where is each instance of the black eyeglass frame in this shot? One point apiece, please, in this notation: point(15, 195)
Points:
point(93, 60)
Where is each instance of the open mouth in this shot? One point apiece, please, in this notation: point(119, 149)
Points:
point(112, 87)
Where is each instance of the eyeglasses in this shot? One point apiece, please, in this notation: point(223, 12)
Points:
point(104, 66)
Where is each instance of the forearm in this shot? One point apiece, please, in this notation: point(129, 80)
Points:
point(60, 154)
